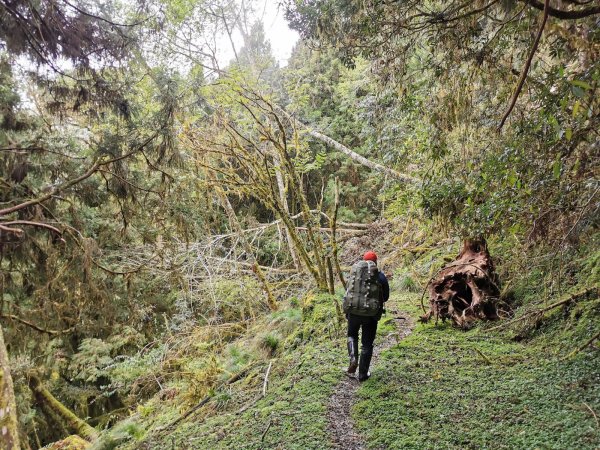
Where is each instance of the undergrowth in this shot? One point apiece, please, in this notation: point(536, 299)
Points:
point(446, 388)
point(525, 384)
point(302, 346)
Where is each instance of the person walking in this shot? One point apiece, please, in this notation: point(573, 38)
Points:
point(367, 291)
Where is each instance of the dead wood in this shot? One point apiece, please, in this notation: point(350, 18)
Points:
point(538, 313)
point(60, 412)
point(466, 289)
point(584, 346)
point(264, 433)
point(589, 408)
point(266, 382)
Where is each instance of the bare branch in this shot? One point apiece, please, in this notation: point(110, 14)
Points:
point(562, 14)
point(34, 326)
point(525, 70)
point(33, 224)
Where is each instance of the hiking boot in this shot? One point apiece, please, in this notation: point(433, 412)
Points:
point(353, 354)
point(363, 366)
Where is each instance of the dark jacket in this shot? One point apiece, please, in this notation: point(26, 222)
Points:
point(385, 293)
point(385, 287)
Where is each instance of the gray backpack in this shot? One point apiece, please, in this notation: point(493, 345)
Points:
point(363, 290)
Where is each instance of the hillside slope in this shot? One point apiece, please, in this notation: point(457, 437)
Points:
point(528, 383)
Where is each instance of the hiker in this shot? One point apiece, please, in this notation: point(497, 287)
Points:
point(366, 292)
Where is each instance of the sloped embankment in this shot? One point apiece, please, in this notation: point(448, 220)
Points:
point(446, 388)
point(517, 386)
point(289, 411)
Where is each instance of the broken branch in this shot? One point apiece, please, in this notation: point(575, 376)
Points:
point(266, 382)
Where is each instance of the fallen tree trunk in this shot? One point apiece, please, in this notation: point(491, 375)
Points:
point(402, 177)
point(61, 412)
point(466, 289)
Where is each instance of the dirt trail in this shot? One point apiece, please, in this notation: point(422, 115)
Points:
point(342, 432)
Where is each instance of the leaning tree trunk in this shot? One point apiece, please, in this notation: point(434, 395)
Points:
point(235, 225)
point(60, 411)
point(9, 430)
point(286, 208)
point(467, 288)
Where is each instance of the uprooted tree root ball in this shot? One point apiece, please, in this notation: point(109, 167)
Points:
point(466, 289)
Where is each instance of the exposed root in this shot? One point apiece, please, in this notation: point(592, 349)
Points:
point(467, 289)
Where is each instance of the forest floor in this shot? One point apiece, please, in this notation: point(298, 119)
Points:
point(441, 387)
point(342, 430)
point(433, 386)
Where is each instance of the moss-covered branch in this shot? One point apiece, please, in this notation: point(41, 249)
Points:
point(49, 401)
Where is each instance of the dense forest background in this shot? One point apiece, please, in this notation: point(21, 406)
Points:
point(172, 224)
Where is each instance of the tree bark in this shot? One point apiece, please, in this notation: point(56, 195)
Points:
point(359, 158)
point(350, 153)
point(565, 14)
point(525, 70)
point(9, 429)
point(333, 225)
point(313, 235)
point(286, 208)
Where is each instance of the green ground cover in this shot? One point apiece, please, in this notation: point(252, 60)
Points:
point(440, 387)
point(446, 388)
point(306, 367)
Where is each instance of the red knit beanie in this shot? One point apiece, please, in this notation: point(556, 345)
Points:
point(370, 256)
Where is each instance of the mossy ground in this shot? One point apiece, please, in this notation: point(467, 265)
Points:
point(438, 388)
point(446, 388)
point(305, 369)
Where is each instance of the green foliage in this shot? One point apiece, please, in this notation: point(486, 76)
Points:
point(300, 382)
point(99, 360)
point(92, 359)
point(318, 316)
point(334, 98)
point(407, 283)
point(589, 272)
point(110, 306)
point(235, 300)
point(122, 432)
point(73, 442)
point(435, 101)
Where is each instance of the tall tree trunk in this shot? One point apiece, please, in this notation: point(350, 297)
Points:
point(286, 208)
point(314, 237)
point(333, 226)
point(9, 430)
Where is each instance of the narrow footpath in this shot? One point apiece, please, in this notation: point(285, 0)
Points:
point(343, 433)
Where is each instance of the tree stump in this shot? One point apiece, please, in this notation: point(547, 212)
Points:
point(466, 289)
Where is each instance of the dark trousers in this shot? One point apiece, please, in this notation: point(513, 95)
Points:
point(369, 330)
